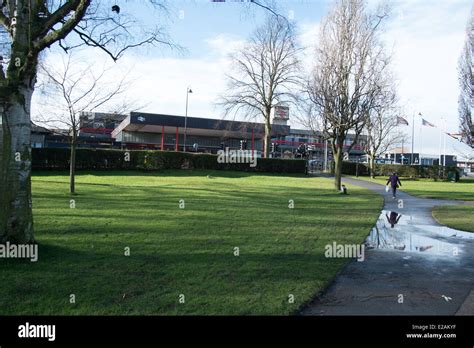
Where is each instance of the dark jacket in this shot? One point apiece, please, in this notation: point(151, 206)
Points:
point(394, 180)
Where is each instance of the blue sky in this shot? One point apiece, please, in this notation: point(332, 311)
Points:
point(203, 19)
point(426, 37)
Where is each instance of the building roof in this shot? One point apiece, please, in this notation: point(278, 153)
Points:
point(101, 116)
point(154, 123)
point(303, 132)
point(39, 130)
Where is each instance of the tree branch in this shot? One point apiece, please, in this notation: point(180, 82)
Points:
point(79, 7)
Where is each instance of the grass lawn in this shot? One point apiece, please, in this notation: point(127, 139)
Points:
point(186, 251)
point(459, 217)
point(427, 188)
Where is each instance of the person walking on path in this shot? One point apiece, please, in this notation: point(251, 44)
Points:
point(394, 183)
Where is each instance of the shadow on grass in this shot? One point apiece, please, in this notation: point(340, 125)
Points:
point(166, 173)
point(251, 266)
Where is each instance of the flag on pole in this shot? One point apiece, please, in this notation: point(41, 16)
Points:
point(401, 120)
point(426, 123)
point(457, 136)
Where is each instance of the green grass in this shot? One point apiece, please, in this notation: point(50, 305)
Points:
point(427, 188)
point(459, 217)
point(182, 251)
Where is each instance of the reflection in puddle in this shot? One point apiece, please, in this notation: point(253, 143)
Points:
point(393, 218)
point(396, 231)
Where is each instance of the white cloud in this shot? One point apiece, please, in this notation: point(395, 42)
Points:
point(160, 83)
point(308, 38)
point(224, 44)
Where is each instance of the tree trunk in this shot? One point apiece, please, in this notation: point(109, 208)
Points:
point(268, 137)
point(372, 166)
point(72, 165)
point(337, 168)
point(16, 218)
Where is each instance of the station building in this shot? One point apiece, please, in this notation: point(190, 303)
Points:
point(167, 132)
point(139, 130)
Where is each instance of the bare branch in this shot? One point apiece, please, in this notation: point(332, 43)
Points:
point(81, 89)
point(79, 7)
point(350, 81)
point(266, 72)
point(466, 85)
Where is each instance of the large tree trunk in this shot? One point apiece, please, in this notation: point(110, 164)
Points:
point(72, 165)
point(337, 168)
point(16, 218)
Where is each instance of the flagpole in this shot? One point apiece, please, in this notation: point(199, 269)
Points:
point(420, 156)
point(421, 146)
point(439, 149)
point(412, 136)
point(444, 147)
point(401, 157)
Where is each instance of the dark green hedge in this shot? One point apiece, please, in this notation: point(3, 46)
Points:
point(104, 159)
point(432, 172)
point(350, 168)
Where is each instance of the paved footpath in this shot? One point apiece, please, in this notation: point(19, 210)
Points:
point(409, 258)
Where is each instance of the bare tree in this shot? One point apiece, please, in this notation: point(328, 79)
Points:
point(349, 77)
point(266, 73)
point(74, 87)
point(381, 130)
point(466, 84)
point(29, 28)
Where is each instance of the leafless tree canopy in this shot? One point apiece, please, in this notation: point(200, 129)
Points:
point(73, 87)
point(80, 87)
point(382, 132)
point(265, 73)
point(466, 84)
point(77, 23)
point(350, 78)
point(115, 33)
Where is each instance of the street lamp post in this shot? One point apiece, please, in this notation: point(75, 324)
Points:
point(188, 90)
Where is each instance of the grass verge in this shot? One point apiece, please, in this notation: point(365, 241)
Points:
point(459, 217)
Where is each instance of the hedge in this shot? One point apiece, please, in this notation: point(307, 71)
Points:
point(410, 171)
point(152, 160)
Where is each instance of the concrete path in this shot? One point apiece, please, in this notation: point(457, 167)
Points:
point(412, 265)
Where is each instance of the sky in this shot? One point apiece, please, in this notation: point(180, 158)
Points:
point(425, 36)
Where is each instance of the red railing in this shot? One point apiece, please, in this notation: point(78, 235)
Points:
point(297, 143)
point(96, 130)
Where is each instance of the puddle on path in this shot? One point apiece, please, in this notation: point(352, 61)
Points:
point(400, 232)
